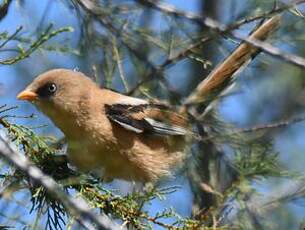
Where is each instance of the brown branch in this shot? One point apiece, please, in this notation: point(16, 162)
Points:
point(257, 128)
point(172, 10)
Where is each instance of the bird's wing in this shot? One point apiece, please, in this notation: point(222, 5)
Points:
point(147, 118)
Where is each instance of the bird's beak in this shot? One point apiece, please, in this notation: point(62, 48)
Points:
point(27, 95)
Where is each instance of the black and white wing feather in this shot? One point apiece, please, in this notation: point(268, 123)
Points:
point(156, 119)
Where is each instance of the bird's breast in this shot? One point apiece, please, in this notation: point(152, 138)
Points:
point(119, 153)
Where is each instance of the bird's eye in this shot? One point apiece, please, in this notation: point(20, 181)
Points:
point(47, 90)
point(52, 88)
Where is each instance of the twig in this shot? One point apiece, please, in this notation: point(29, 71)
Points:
point(47, 35)
point(257, 204)
point(220, 28)
point(257, 128)
point(11, 37)
point(172, 10)
point(119, 63)
point(92, 8)
point(264, 15)
point(182, 54)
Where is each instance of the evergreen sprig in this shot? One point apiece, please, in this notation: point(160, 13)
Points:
point(32, 46)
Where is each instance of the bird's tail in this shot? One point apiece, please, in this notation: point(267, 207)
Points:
point(212, 169)
point(220, 80)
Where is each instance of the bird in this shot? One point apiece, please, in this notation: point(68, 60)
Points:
point(118, 136)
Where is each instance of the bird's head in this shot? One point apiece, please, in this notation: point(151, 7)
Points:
point(58, 93)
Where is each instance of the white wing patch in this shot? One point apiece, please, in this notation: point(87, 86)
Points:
point(132, 101)
point(163, 128)
point(127, 126)
point(125, 114)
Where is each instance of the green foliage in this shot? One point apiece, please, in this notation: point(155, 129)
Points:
point(31, 46)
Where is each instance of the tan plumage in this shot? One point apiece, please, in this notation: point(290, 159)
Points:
point(125, 137)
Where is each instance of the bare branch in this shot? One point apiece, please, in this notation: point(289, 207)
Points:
point(184, 53)
point(119, 64)
point(279, 124)
point(172, 10)
point(259, 204)
point(222, 29)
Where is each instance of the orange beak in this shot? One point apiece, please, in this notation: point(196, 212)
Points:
point(27, 95)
